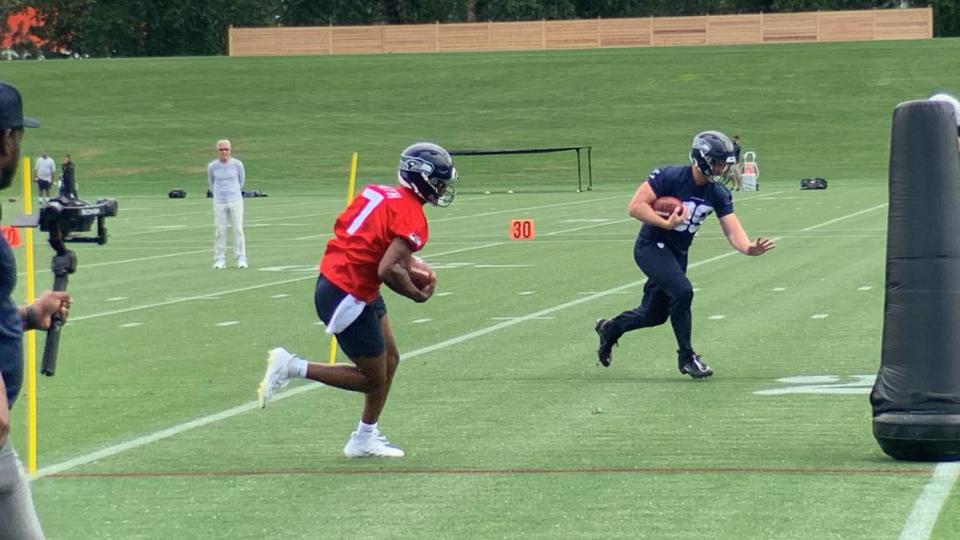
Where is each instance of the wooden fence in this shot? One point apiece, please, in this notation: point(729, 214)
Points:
point(586, 33)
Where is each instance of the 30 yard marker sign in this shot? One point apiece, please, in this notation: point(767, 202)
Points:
point(522, 229)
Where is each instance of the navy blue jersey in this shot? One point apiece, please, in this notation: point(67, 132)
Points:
point(701, 201)
point(11, 326)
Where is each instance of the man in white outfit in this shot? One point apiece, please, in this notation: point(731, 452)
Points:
point(225, 176)
point(44, 171)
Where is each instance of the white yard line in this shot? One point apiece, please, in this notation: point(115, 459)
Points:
point(42, 270)
point(160, 435)
point(230, 413)
point(927, 508)
point(245, 289)
point(591, 226)
point(498, 212)
point(618, 221)
point(303, 278)
point(46, 270)
point(248, 223)
point(841, 218)
point(187, 299)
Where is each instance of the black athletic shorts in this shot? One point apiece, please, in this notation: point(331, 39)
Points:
point(44, 184)
point(361, 338)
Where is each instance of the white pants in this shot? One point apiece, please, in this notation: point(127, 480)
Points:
point(18, 518)
point(232, 213)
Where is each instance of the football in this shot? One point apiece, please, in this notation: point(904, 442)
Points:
point(666, 205)
point(420, 272)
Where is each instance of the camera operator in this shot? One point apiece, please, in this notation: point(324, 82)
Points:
point(18, 518)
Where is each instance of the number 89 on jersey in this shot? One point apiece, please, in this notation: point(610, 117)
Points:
point(522, 229)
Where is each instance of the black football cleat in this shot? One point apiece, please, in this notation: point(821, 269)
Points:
point(605, 351)
point(694, 366)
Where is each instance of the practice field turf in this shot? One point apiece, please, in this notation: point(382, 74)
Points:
point(149, 429)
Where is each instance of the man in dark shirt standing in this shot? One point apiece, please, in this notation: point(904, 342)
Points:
point(68, 179)
point(18, 519)
point(661, 247)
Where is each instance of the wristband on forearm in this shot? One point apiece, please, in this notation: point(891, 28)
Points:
point(31, 320)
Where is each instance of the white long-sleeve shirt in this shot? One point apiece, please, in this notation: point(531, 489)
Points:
point(225, 180)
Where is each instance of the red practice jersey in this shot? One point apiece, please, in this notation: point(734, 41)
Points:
point(364, 231)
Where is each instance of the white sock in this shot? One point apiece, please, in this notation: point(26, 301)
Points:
point(366, 429)
point(297, 368)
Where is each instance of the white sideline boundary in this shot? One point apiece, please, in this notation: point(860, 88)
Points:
point(928, 505)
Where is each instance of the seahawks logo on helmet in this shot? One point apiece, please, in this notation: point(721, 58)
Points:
point(418, 165)
point(712, 153)
point(427, 169)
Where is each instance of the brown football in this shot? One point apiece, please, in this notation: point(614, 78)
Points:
point(421, 273)
point(666, 205)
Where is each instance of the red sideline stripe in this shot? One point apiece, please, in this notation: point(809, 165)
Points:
point(464, 471)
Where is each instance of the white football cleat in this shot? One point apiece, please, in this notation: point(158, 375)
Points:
point(276, 376)
point(370, 445)
point(242, 262)
point(219, 265)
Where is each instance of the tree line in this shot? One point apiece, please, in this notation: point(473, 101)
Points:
point(199, 27)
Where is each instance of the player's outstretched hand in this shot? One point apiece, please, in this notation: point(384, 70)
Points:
point(760, 246)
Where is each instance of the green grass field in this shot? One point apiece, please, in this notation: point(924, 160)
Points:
point(511, 430)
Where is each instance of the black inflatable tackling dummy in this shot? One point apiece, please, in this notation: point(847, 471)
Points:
point(916, 397)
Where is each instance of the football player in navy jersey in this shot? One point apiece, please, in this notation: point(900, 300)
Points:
point(661, 247)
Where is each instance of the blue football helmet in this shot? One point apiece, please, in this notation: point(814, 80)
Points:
point(428, 170)
point(712, 153)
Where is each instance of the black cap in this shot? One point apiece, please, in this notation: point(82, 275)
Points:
point(11, 109)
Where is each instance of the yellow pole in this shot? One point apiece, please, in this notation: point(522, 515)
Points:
point(31, 337)
point(351, 186)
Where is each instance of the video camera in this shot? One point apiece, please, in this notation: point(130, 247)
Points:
point(63, 218)
point(66, 217)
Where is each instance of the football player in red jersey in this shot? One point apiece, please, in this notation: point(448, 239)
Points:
point(374, 239)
